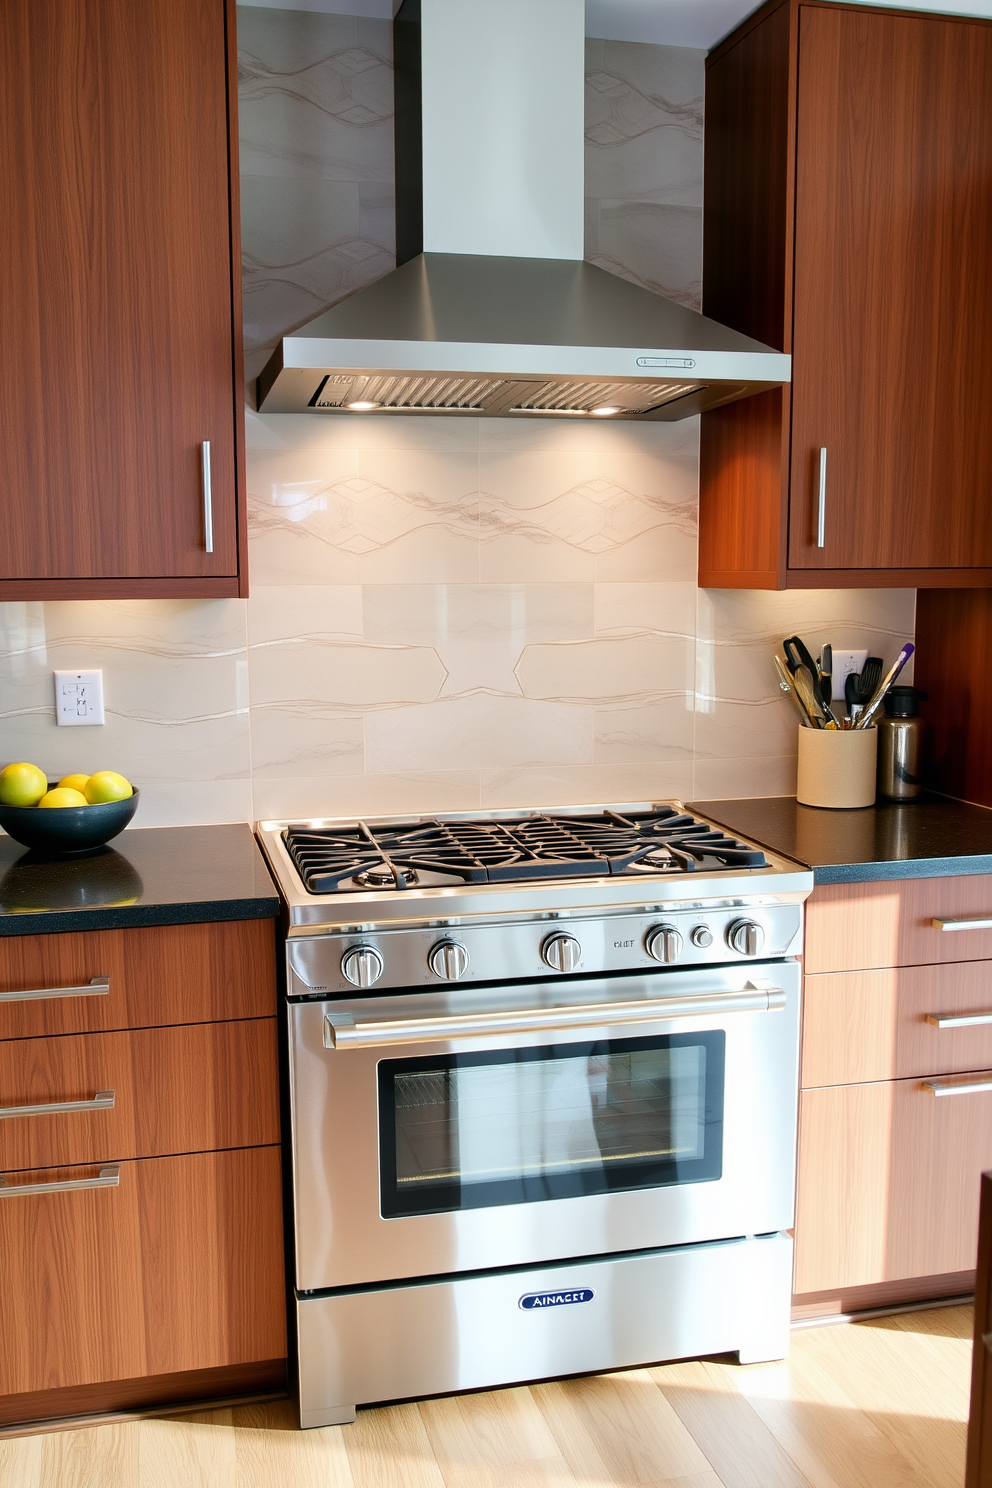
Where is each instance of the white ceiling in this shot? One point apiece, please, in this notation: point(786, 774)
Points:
point(687, 23)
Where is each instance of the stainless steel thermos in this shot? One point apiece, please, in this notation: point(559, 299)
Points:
point(900, 745)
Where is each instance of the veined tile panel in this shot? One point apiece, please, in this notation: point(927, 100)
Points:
point(644, 157)
point(316, 125)
point(176, 699)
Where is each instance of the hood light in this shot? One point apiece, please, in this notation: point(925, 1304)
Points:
point(603, 412)
point(362, 407)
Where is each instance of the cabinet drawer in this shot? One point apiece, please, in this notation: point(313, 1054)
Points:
point(857, 927)
point(159, 974)
point(873, 1025)
point(179, 1266)
point(187, 1089)
point(888, 1182)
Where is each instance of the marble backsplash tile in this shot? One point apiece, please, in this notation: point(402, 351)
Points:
point(445, 613)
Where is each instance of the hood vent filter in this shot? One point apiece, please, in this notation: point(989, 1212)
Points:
point(502, 397)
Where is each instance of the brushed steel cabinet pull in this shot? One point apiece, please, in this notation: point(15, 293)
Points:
point(967, 1087)
point(342, 1032)
point(97, 986)
point(958, 1020)
point(821, 501)
point(208, 498)
point(110, 1177)
point(981, 924)
point(104, 1100)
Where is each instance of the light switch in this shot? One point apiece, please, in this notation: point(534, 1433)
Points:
point(78, 698)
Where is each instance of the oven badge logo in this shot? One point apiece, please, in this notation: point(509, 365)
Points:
point(531, 1300)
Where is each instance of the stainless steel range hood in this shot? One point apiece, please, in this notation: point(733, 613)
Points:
point(492, 311)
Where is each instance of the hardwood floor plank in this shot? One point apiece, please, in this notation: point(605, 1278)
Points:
point(390, 1448)
point(270, 1449)
point(202, 1455)
point(820, 1427)
point(92, 1457)
point(493, 1439)
point(915, 1397)
point(636, 1434)
point(21, 1461)
point(943, 1322)
point(734, 1438)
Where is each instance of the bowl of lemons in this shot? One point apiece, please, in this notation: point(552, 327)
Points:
point(79, 813)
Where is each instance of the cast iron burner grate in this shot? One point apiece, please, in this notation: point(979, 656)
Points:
point(434, 853)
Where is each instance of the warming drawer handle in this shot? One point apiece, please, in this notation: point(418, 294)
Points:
point(110, 1177)
point(97, 986)
point(981, 924)
point(103, 1101)
point(964, 1087)
point(342, 1032)
point(958, 1020)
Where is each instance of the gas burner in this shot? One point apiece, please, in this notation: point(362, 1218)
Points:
point(544, 846)
point(385, 878)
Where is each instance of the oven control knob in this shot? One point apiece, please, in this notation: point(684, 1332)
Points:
point(664, 943)
point(448, 960)
point(701, 936)
point(746, 937)
point(362, 965)
point(562, 952)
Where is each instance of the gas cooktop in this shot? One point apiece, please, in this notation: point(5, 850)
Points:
point(434, 853)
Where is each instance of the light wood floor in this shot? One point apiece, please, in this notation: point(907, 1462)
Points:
point(881, 1404)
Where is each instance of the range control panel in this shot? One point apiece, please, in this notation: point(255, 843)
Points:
point(328, 965)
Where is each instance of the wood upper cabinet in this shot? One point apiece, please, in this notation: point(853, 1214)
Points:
point(120, 311)
point(848, 205)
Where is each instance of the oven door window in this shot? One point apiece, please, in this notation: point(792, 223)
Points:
point(519, 1126)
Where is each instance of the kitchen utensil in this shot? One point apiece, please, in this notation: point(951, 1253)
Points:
point(806, 688)
point(876, 702)
point(786, 684)
point(826, 675)
point(67, 829)
point(796, 655)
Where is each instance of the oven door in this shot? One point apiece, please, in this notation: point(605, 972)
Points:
point(461, 1130)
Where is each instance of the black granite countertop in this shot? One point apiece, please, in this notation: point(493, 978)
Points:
point(147, 876)
point(934, 837)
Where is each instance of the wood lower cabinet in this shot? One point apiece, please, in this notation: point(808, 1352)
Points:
point(848, 210)
point(177, 1268)
point(141, 1233)
point(120, 300)
point(895, 1112)
point(888, 1181)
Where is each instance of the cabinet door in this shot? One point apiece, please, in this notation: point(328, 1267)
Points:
point(148, 1093)
point(116, 288)
point(144, 977)
point(888, 1181)
point(893, 309)
point(179, 1267)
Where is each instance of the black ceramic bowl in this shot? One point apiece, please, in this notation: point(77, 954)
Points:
point(67, 829)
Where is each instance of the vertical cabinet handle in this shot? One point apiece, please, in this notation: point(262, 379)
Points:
point(821, 501)
point(110, 1177)
point(208, 498)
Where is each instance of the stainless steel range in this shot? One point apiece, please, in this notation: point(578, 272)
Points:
point(543, 1073)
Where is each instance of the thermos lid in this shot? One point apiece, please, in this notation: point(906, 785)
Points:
point(902, 702)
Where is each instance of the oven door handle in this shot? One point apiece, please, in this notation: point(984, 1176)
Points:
point(342, 1032)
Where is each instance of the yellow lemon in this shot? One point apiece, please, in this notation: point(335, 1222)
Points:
point(22, 785)
point(107, 785)
point(74, 782)
point(60, 797)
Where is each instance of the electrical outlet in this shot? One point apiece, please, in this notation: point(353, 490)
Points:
point(78, 698)
point(845, 662)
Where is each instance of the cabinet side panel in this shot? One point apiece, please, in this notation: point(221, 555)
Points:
point(747, 284)
point(953, 635)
